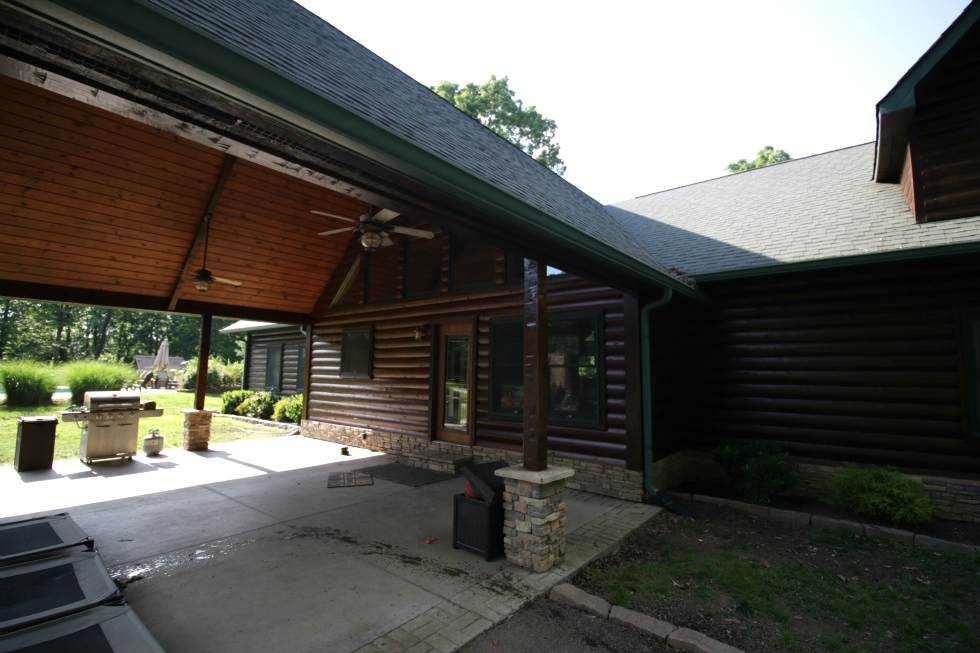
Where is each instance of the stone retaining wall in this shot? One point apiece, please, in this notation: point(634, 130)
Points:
point(607, 480)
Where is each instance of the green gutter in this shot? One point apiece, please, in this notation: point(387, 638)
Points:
point(158, 30)
point(909, 254)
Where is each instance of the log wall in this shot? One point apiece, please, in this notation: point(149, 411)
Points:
point(290, 342)
point(398, 397)
point(862, 364)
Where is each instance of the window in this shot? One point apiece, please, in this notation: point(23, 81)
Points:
point(513, 268)
point(423, 266)
point(574, 374)
point(472, 264)
point(971, 351)
point(355, 354)
point(381, 274)
point(300, 369)
point(273, 367)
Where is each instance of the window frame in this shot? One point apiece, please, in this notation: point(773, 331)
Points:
point(346, 355)
point(493, 409)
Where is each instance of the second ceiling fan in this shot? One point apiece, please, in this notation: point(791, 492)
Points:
point(372, 228)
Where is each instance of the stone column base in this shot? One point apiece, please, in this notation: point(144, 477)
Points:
point(534, 516)
point(197, 429)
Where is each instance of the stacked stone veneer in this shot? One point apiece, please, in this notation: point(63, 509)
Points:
point(953, 498)
point(535, 520)
point(609, 480)
point(197, 429)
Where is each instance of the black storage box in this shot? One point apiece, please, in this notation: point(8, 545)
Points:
point(35, 443)
point(478, 524)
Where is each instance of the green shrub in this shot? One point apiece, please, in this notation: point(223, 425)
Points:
point(881, 493)
point(221, 374)
point(93, 376)
point(260, 405)
point(756, 471)
point(27, 383)
point(233, 399)
point(289, 409)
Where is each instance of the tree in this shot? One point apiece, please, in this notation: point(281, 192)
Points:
point(766, 157)
point(494, 105)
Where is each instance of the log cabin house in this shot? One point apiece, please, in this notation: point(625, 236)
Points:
point(275, 356)
point(828, 305)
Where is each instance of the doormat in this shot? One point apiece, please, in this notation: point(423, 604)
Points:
point(348, 479)
point(406, 474)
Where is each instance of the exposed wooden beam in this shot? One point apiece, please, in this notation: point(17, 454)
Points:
point(202, 227)
point(535, 366)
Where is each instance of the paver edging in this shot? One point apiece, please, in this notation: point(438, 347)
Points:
point(682, 639)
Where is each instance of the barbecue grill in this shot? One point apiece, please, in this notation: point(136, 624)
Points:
point(110, 424)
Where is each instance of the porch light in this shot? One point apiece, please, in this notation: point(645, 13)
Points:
point(371, 240)
point(420, 332)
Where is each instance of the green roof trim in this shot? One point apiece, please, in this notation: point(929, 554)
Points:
point(174, 37)
point(902, 96)
point(909, 254)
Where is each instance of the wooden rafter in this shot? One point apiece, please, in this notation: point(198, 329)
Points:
point(202, 227)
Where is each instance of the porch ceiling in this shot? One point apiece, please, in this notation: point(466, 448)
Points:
point(97, 206)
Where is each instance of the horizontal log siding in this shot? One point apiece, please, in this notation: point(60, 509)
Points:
point(397, 398)
point(861, 364)
point(945, 135)
point(259, 344)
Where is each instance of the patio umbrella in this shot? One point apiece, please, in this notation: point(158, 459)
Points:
point(162, 362)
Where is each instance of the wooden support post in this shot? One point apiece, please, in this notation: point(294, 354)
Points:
point(535, 366)
point(203, 353)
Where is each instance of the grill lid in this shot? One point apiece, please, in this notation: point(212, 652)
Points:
point(112, 401)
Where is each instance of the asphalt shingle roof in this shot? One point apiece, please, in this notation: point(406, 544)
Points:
point(301, 46)
point(820, 207)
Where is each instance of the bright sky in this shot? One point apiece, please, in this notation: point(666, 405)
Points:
point(650, 95)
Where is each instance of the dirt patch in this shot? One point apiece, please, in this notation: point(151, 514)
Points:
point(813, 590)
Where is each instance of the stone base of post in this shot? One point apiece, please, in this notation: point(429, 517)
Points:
point(197, 429)
point(534, 516)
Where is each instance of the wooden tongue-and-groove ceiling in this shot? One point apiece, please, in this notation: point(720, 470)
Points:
point(99, 208)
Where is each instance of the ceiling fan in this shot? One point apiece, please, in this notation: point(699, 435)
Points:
point(372, 228)
point(203, 277)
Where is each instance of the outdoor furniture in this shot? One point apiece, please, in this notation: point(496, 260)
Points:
point(27, 539)
point(478, 524)
point(102, 629)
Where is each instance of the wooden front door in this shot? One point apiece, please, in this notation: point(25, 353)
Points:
point(454, 395)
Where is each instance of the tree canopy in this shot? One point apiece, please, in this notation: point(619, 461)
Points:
point(495, 106)
point(60, 333)
point(766, 157)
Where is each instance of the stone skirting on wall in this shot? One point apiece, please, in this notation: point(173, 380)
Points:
point(953, 499)
point(608, 480)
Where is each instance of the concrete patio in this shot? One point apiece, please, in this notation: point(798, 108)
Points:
point(245, 548)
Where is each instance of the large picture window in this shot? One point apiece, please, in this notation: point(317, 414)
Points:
point(355, 354)
point(574, 371)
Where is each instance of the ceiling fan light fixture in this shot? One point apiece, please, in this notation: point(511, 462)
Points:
point(371, 240)
point(202, 280)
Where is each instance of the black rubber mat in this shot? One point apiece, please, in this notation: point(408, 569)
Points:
point(406, 474)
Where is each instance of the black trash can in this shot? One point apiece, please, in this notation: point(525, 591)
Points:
point(35, 443)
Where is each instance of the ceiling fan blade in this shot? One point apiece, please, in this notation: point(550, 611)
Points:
point(336, 231)
point(386, 240)
point(334, 215)
point(230, 282)
point(384, 215)
point(408, 231)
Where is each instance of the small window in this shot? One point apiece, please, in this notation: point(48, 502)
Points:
point(472, 264)
point(273, 367)
point(971, 352)
point(574, 372)
point(423, 266)
point(381, 278)
point(355, 354)
point(513, 268)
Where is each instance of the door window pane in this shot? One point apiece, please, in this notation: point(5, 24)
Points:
point(456, 375)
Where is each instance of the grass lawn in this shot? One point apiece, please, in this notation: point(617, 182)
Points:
point(762, 585)
point(171, 425)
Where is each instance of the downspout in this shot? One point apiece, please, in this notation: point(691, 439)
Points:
point(653, 491)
